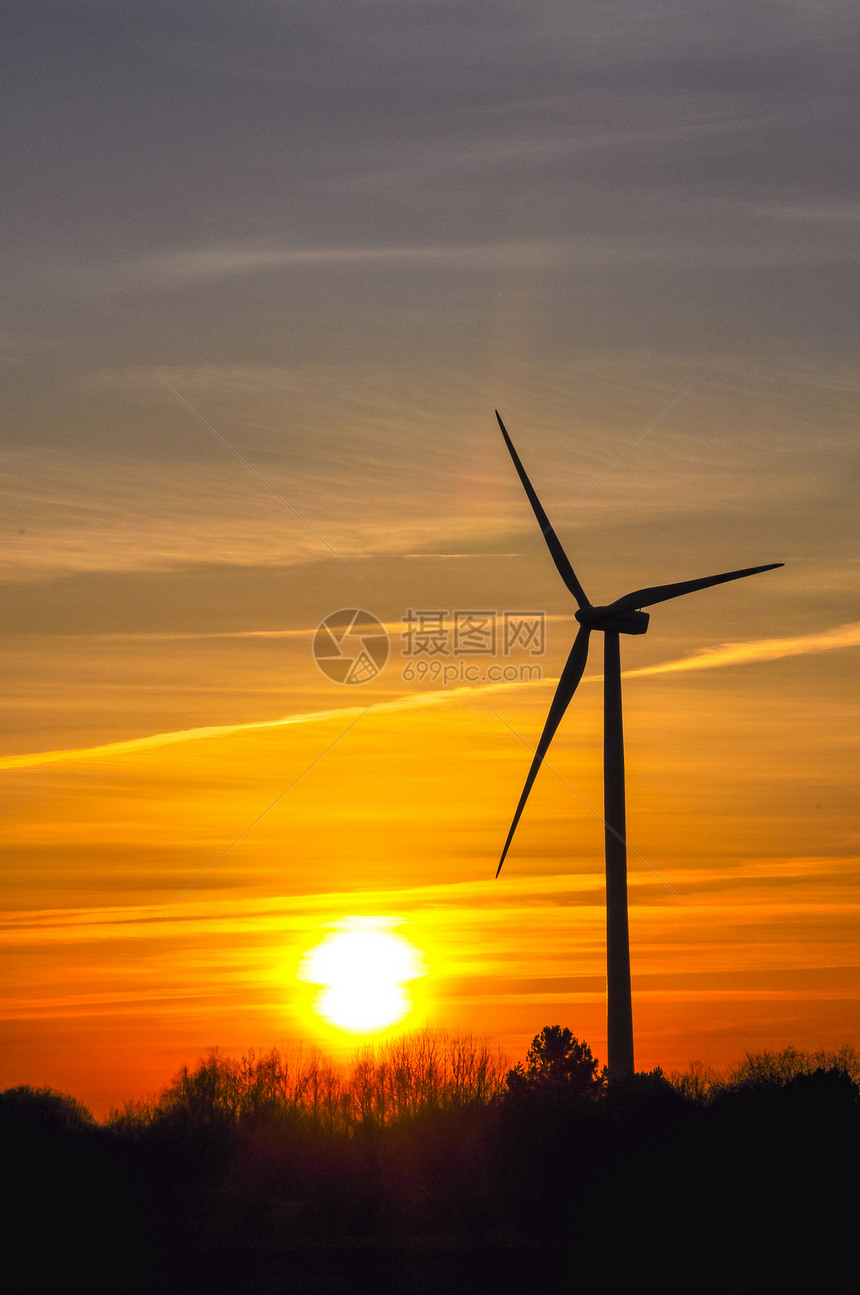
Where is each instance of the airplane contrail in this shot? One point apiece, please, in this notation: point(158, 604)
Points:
point(841, 636)
point(138, 744)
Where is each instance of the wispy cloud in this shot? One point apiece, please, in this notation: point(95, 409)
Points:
point(182, 267)
point(842, 636)
point(291, 913)
point(415, 701)
point(221, 262)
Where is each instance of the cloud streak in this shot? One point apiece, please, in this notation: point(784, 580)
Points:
point(842, 636)
point(138, 745)
point(219, 262)
point(728, 654)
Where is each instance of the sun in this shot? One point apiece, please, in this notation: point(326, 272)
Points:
point(364, 968)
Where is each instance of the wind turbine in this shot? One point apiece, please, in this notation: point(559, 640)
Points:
point(624, 616)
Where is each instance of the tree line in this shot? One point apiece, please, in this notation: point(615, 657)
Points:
point(428, 1070)
point(426, 1162)
point(431, 1070)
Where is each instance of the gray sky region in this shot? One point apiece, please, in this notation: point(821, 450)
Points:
point(268, 270)
point(344, 233)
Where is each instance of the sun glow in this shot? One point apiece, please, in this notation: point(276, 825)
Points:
point(364, 969)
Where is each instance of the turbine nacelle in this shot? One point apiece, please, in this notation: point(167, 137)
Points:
point(604, 618)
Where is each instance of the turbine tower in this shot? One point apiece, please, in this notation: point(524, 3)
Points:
point(624, 616)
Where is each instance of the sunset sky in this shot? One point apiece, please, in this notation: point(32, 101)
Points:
point(269, 270)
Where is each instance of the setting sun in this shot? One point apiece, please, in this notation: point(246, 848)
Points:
point(364, 969)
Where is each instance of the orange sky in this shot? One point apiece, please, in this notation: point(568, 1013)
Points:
point(341, 253)
point(738, 801)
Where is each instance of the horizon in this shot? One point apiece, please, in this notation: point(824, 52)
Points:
point(481, 1056)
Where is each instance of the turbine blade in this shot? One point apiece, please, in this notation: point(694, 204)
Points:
point(567, 685)
point(662, 593)
point(553, 543)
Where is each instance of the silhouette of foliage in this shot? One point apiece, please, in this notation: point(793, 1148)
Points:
point(557, 1062)
point(417, 1165)
point(763, 1070)
point(64, 1182)
point(776, 1069)
point(696, 1083)
point(395, 1080)
point(44, 1108)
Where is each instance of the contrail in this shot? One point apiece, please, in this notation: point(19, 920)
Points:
point(842, 636)
point(135, 745)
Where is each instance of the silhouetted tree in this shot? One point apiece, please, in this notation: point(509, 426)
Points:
point(45, 1109)
point(773, 1070)
point(67, 1196)
point(557, 1062)
point(696, 1083)
point(427, 1070)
